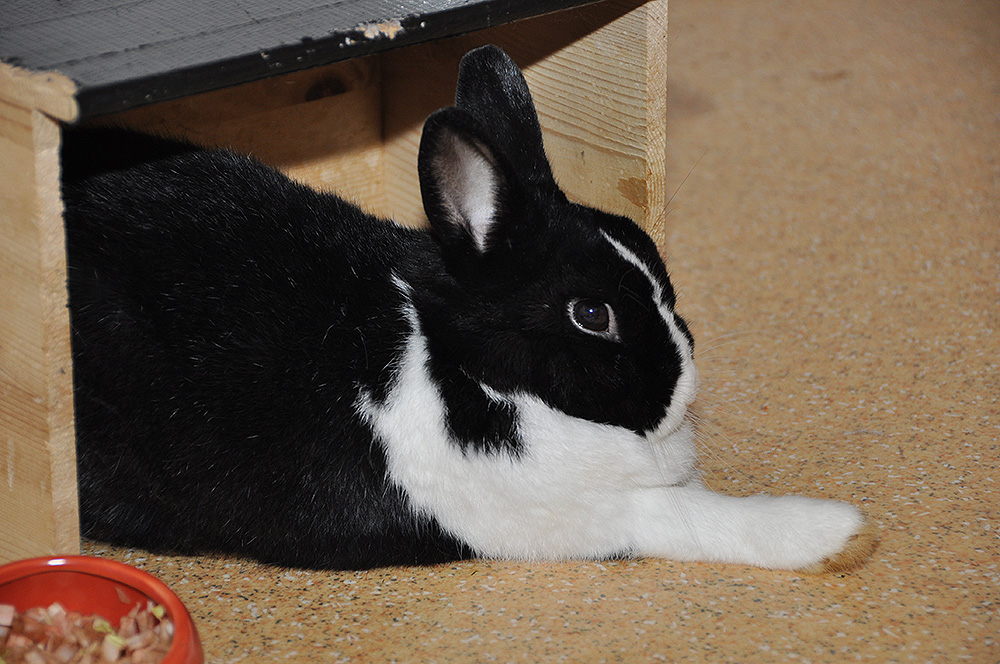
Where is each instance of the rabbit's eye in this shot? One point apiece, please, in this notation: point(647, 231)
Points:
point(594, 317)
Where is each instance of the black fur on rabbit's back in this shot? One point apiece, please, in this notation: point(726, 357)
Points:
point(223, 318)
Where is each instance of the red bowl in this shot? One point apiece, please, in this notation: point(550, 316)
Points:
point(95, 585)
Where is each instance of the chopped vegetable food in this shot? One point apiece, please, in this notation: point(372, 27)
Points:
point(54, 635)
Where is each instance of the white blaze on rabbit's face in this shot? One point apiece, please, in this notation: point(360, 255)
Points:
point(687, 384)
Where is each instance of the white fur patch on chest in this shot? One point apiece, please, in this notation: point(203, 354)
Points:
point(567, 495)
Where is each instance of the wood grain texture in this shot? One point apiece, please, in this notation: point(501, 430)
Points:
point(321, 126)
point(50, 92)
point(38, 501)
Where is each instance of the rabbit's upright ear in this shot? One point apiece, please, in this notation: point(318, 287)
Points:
point(465, 183)
point(493, 90)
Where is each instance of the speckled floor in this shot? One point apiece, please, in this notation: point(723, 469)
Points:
point(835, 238)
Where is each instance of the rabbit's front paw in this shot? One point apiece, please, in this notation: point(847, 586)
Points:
point(822, 535)
point(776, 532)
point(807, 534)
point(856, 551)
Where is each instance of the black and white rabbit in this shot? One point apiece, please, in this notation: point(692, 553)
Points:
point(269, 371)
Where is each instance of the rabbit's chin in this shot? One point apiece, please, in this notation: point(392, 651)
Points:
point(675, 454)
point(672, 441)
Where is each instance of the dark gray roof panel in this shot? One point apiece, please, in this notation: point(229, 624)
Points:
point(125, 53)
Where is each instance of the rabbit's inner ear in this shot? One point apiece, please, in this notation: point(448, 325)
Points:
point(468, 183)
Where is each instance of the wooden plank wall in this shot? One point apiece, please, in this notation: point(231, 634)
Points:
point(598, 75)
point(38, 501)
point(321, 126)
